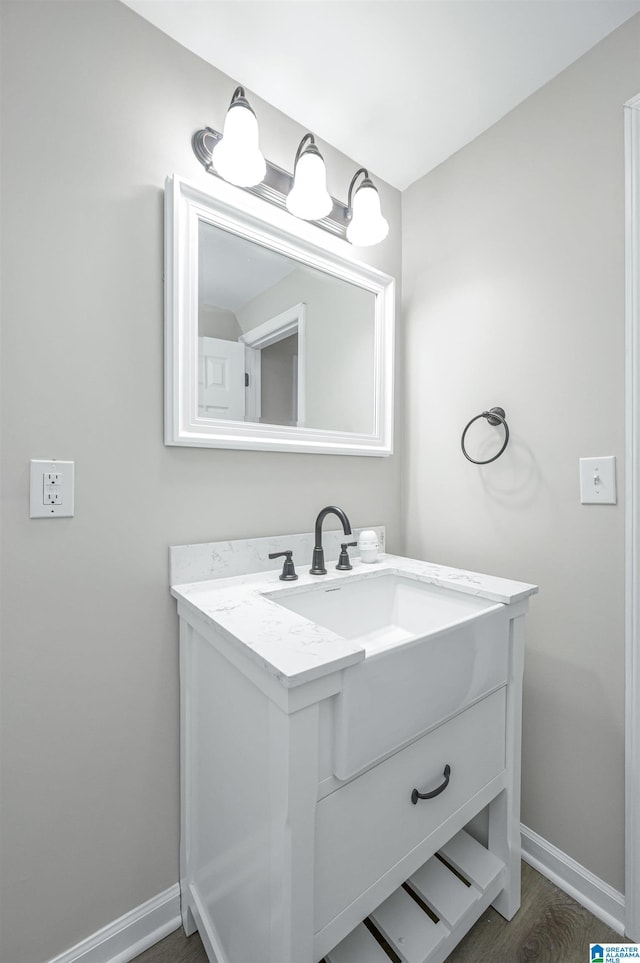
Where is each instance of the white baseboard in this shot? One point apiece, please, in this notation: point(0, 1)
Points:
point(132, 934)
point(598, 897)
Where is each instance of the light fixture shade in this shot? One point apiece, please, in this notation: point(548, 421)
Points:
point(367, 225)
point(237, 157)
point(309, 197)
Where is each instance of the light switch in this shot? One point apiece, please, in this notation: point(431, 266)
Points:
point(51, 489)
point(598, 480)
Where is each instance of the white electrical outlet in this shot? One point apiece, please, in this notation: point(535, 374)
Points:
point(51, 489)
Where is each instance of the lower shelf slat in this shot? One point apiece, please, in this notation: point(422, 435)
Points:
point(405, 925)
point(358, 947)
point(407, 928)
point(443, 892)
point(472, 860)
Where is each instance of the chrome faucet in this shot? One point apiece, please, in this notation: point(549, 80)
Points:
point(317, 564)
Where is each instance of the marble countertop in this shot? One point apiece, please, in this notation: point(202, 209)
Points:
point(290, 647)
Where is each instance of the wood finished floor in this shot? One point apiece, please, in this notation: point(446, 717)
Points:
point(549, 928)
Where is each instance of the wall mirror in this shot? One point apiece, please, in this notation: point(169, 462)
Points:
point(276, 336)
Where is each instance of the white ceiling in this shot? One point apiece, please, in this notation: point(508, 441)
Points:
point(397, 85)
point(243, 270)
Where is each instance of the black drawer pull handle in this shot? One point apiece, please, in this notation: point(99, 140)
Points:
point(415, 795)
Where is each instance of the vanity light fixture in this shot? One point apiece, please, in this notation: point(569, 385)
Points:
point(366, 226)
point(309, 197)
point(237, 157)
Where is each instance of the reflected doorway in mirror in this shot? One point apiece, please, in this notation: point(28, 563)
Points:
point(276, 368)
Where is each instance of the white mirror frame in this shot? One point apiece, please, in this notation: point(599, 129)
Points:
point(250, 217)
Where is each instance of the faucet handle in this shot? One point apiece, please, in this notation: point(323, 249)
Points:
point(288, 570)
point(344, 564)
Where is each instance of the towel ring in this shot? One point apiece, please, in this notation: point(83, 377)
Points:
point(495, 416)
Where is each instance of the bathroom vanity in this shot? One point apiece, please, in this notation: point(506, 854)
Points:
point(339, 734)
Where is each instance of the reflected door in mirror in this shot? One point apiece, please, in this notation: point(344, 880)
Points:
point(221, 379)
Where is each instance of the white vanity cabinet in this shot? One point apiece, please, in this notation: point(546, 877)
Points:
point(281, 861)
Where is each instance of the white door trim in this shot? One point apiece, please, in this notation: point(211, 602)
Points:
point(632, 524)
point(288, 322)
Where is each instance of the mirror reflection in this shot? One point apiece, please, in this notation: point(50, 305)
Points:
point(280, 342)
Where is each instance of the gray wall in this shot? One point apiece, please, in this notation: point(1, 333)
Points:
point(214, 322)
point(513, 280)
point(98, 107)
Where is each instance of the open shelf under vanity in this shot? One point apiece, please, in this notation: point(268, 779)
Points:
point(427, 916)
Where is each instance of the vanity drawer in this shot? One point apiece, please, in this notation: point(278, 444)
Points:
point(369, 825)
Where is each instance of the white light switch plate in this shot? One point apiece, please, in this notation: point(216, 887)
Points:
point(598, 480)
point(51, 489)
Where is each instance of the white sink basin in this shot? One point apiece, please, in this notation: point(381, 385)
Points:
point(430, 652)
point(383, 610)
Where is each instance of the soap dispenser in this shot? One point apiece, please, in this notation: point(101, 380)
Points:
point(368, 546)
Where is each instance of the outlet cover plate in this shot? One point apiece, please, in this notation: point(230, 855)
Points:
point(51, 478)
